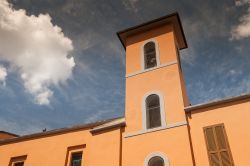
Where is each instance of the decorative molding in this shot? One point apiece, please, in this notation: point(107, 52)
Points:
point(169, 126)
point(154, 154)
point(151, 69)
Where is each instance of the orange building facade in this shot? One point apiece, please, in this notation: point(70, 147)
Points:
point(160, 127)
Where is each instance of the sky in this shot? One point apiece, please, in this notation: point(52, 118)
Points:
point(61, 63)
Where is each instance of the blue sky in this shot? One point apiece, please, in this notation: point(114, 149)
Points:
point(88, 52)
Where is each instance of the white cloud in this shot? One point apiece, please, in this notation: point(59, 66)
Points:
point(36, 48)
point(242, 30)
point(3, 74)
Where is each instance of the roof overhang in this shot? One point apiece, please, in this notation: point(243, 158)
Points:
point(110, 125)
point(8, 133)
point(172, 18)
point(214, 103)
point(93, 127)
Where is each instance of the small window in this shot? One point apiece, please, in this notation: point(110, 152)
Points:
point(76, 159)
point(153, 111)
point(17, 160)
point(156, 161)
point(150, 55)
point(19, 164)
point(217, 146)
point(74, 155)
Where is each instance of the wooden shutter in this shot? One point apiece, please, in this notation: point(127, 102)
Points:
point(217, 146)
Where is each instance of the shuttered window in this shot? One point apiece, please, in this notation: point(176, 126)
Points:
point(217, 146)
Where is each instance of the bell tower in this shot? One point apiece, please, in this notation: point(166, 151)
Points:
point(156, 124)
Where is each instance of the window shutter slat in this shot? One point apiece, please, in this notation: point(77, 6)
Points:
point(215, 159)
point(225, 158)
point(210, 139)
point(220, 137)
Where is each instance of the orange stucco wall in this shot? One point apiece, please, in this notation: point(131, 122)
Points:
point(163, 35)
point(162, 80)
point(173, 143)
point(235, 116)
point(100, 149)
point(166, 80)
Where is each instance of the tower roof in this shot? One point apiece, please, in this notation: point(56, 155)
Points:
point(172, 18)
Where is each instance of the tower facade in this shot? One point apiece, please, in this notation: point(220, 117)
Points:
point(156, 127)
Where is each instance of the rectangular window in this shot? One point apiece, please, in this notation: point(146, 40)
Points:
point(217, 146)
point(74, 155)
point(76, 159)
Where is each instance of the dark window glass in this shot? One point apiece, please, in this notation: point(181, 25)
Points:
point(19, 164)
point(153, 111)
point(156, 161)
point(150, 55)
point(76, 159)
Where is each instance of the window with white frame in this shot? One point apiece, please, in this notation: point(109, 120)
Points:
point(150, 54)
point(153, 111)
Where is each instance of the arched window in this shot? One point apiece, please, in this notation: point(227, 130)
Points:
point(156, 161)
point(149, 55)
point(153, 111)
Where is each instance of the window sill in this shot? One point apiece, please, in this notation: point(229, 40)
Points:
point(140, 132)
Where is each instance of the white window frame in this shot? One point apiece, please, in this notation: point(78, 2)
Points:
point(156, 52)
point(144, 111)
point(156, 154)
